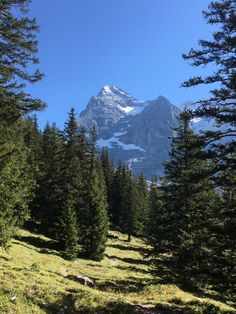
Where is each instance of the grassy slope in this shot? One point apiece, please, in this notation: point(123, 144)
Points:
point(31, 282)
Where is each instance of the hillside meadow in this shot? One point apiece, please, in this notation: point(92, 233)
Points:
point(32, 282)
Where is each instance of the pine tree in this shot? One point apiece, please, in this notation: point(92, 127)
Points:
point(16, 186)
point(187, 217)
point(108, 172)
point(49, 194)
point(220, 106)
point(69, 231)
point(220, 145)
point(154, 211)
point(18, 51)
point(142, 203)
point(117, 186)
point(94, 218)
point(72, 182)
point(129, 211)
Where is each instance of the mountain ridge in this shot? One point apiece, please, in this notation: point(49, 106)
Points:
point(134, 131)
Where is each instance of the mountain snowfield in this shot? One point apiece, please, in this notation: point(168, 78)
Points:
point(135, 132)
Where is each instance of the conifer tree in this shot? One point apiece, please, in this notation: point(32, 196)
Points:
point(16, 185)
point(220, 145)
point(71, 181)
point(142, 203)
point(69, 231)
point(220, 52)
point(18, 51)
point(117, 187)
point(94, 218)
point(108, 172)
point(49, 194)
point(154, 212)
point(187, 217)
point(129, 212)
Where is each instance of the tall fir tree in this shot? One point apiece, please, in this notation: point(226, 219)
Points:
point(108, 172)
point(117, 187)
point(187, 218)
point(49, 194)
point(94, 218)
point(16, 186)
point(18, 51)
point(142, 204)
point(220, 53)
point(72, 186)
point(155, 204)
point(129, 211)
point(220, 144)
point(69, 231)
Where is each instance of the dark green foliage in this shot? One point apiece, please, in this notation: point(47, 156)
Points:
point(154, 211)
point(18, 50)
point(130, 215)
point(94, 218)
point(71, 186)
point(49, 194)
point(117, 185)
point(220, 145)
point(220, 106)
point(16, 186)
point(142, 200)
point(186, 220)
point(108, 172)
point(69, 233)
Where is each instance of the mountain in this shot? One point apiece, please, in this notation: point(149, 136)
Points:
point(135, 132)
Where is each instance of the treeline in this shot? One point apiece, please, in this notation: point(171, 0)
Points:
point(77, 192)
point(193, 213)
point(55, 180)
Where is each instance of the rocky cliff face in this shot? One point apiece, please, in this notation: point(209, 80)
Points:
point(136, 132)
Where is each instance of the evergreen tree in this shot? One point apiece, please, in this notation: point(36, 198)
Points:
point(18, 50)
point(108, 172)
point(16, 186)
point(154, 212)
point(117, 187)
point(49, 194)
point(94, 219)
point(142, 203)
point(72, 181)
point(187, 217)
point(129, 211)
point(220, 106)
point(69, 231)
point(220, 145)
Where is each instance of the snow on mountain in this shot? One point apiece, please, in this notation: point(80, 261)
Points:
point(134, 131)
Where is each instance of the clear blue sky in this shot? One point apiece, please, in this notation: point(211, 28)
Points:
point(134, 44)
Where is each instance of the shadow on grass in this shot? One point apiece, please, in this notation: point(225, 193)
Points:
point(129, 260)
point(45, 246)
point(128, 248)
point(128, 285)
point(134, 269)
point(166, 273)
point(177, 306)
point(84, 304)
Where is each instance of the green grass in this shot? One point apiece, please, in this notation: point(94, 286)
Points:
point(31, 282)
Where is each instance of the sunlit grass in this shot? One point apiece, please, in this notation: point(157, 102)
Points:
point(31, 281)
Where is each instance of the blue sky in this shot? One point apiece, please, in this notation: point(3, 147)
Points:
point(134, 44)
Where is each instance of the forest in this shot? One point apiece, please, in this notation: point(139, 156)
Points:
point(55, 182)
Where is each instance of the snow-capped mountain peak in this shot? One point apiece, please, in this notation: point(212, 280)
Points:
point(134, 131)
